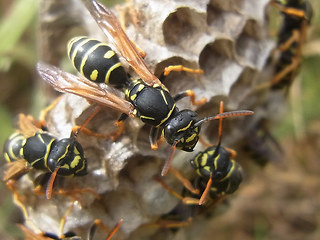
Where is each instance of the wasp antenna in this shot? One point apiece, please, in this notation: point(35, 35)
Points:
point(224, 115)
point(237, 113)
point(220, 125)
point(169, 160)
point(50, 183)
point(206, 191)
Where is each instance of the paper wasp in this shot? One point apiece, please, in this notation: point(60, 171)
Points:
point(217, 173)
point(146, 98)
point(297, 16)
point(33, 147)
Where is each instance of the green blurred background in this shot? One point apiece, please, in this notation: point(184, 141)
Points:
point(20, 93)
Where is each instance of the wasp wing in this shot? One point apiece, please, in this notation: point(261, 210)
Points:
point(68, 83)
point(14, 170)
point(27, 125)
point(111, 27)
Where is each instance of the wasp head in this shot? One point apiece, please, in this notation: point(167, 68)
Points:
point(180, 130)
point(68, 154)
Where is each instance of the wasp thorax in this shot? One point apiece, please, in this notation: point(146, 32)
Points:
point(180, 129)
point(214, 161)
point(36, 149)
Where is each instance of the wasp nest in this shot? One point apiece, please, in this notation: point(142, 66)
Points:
point(228, 39)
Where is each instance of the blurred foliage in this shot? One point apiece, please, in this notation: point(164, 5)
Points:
point(12, 30)
point(18, 92)
point(17, 59)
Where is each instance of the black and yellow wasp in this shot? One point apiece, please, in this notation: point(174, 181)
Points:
point(33, 147)
point(217, 173)
point(297, 15)
point(146, 98)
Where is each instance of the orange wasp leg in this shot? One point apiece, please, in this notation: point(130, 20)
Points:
point(162, 223)
point(44, 112)
point(100, 224)
point(289, 11)
point(180, 68)
point(74, 193)
point(113, 135)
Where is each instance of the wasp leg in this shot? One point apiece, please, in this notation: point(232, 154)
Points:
point(162, 223)
point(100, 224)
point(123, 25)
point(232, 152)
point(155, 137)
point(196, 201)
point(134, 16)
point(44, 112)
point(288, 69)
point(180, 68)
point(288, 10)
point(168, 188)
point(291, 68)
point(133, 12)
point(74, 193)
point(191, 201)
point(64, 219)
point(62, 235)
point(185, 200)
point(17, 198)
point(19, 201)
point(77, 129)
point(122, 17)
point(113, 135)
point(295, 61)
point(139, 50)
point(186, 183)
point(191, 94)
point(295, 37)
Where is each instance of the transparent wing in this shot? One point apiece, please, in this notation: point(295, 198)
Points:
point(15, 169)
point(68, 83)
point(111, 27)
point(27, 125)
